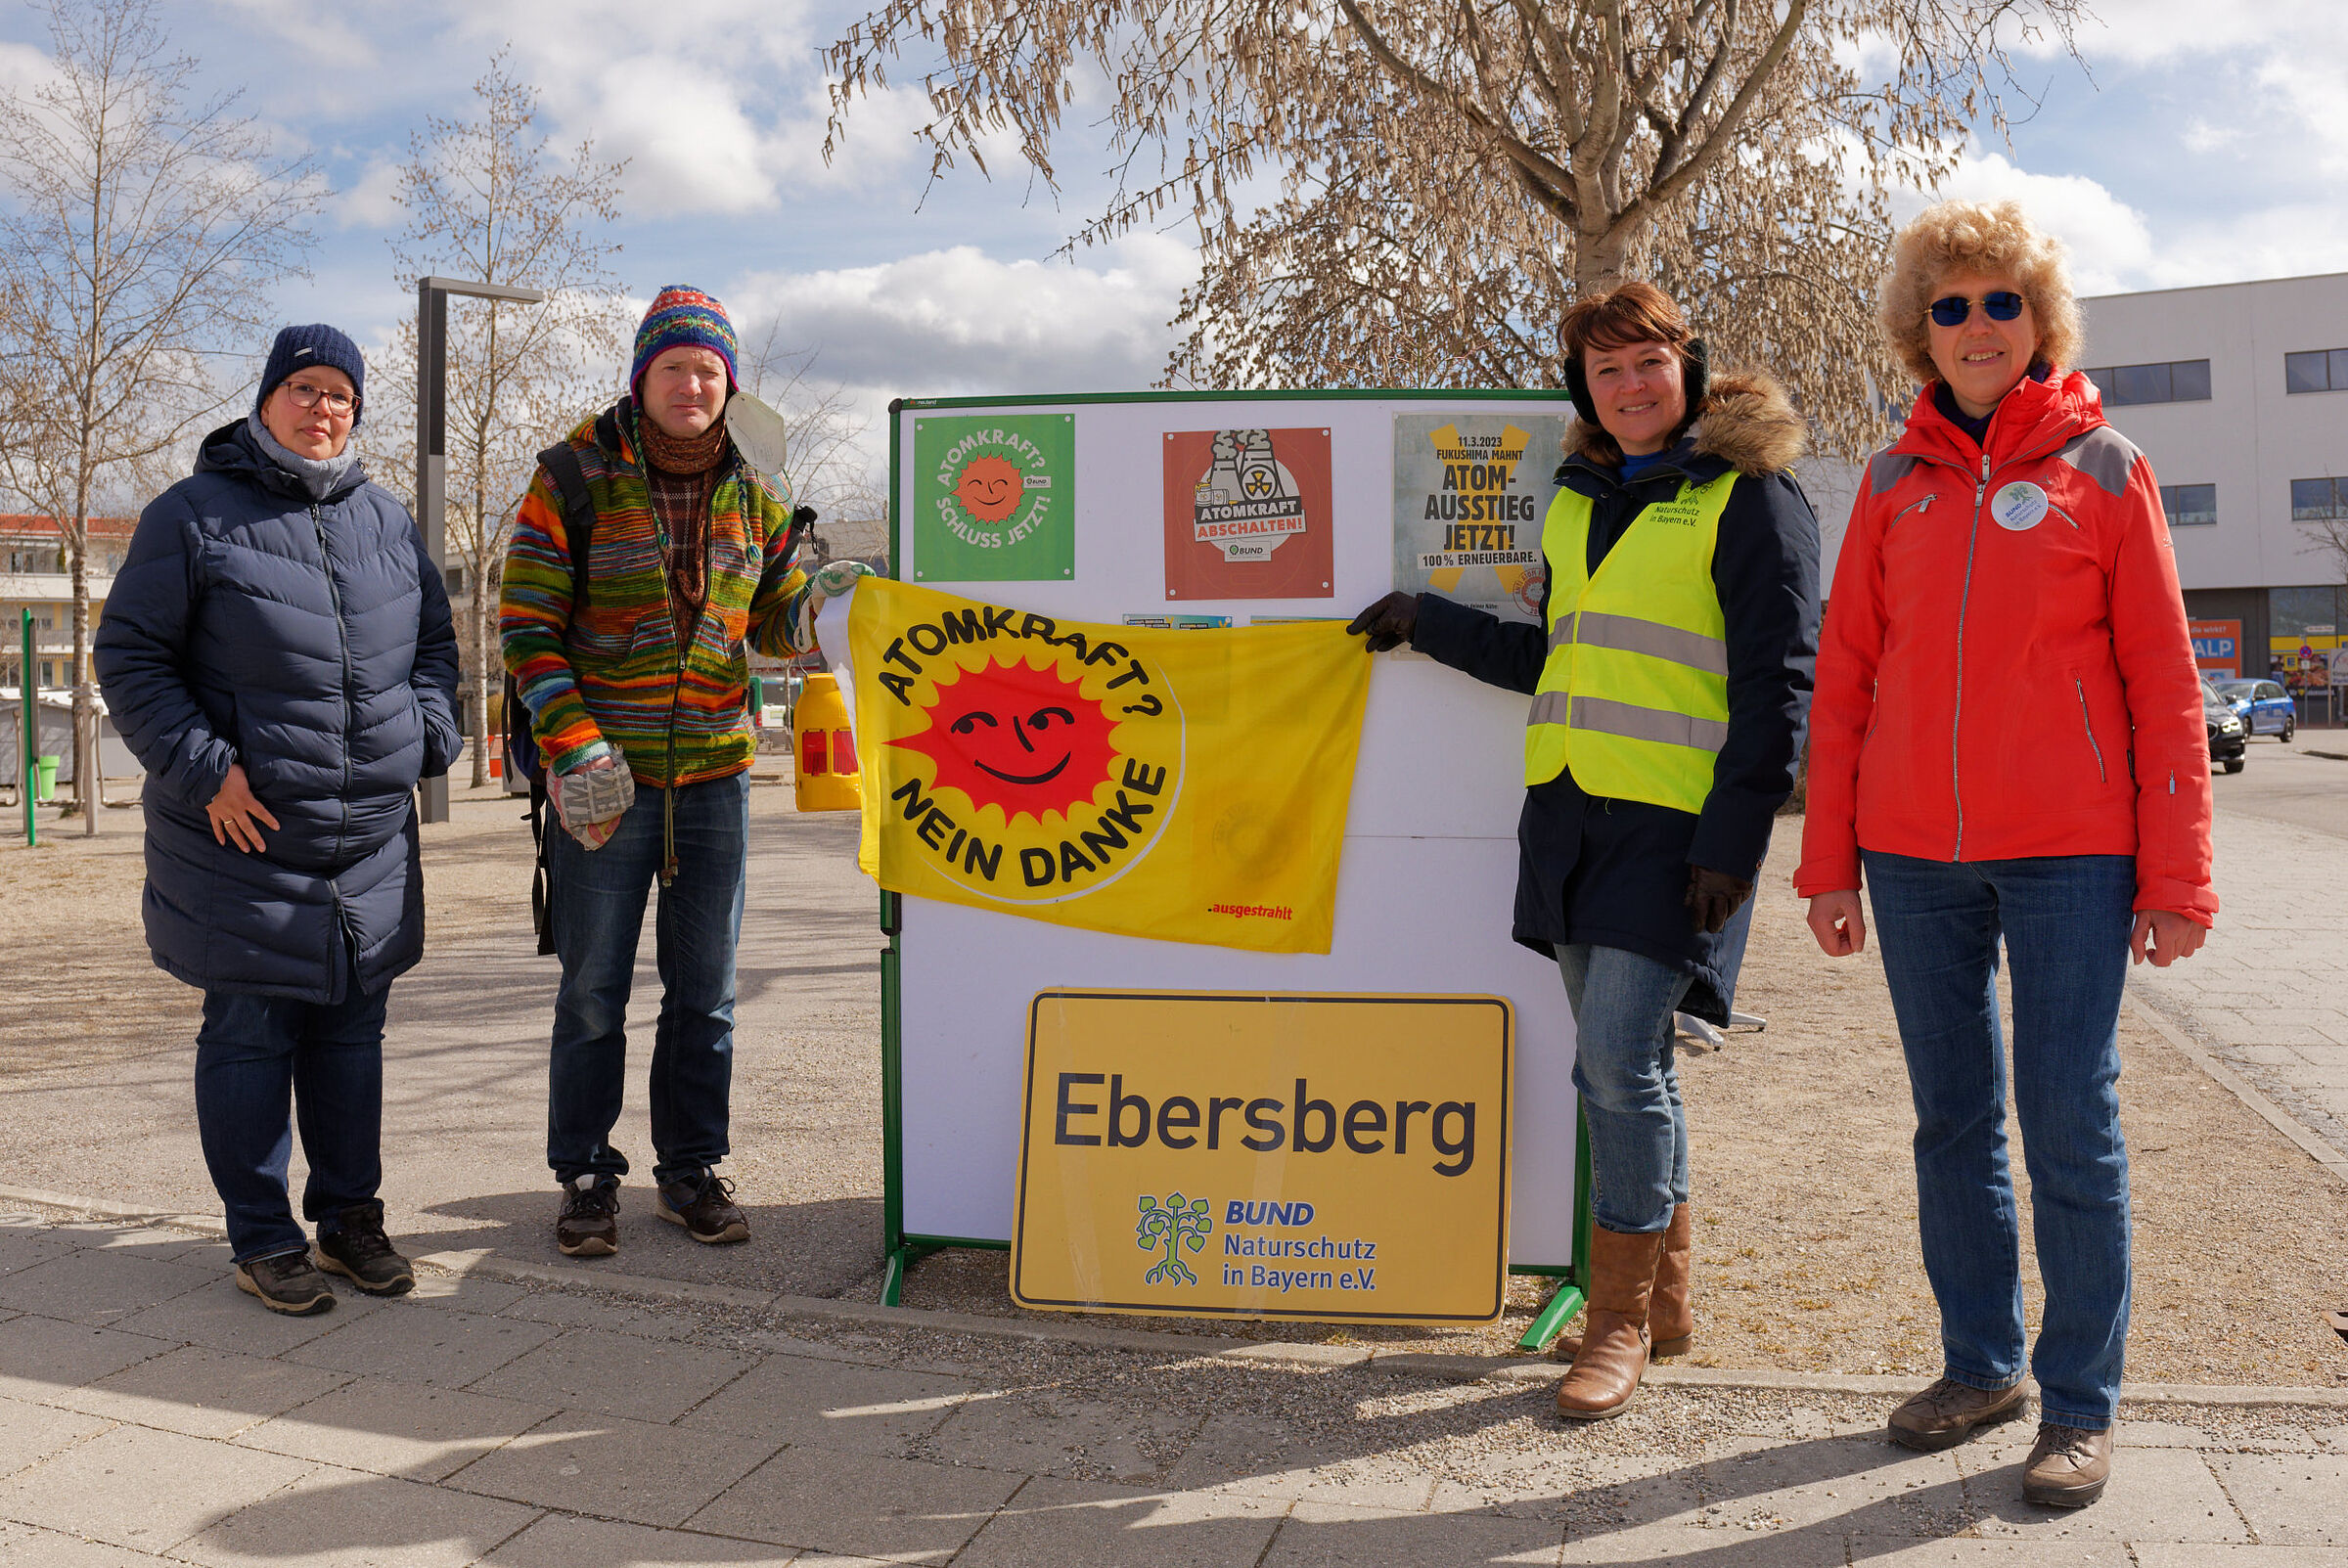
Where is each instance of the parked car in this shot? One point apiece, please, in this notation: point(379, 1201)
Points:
point(2263, 706)
point(2228, 740)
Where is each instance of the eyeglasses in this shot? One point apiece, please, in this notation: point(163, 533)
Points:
point(339, 404)
point(1955, 310)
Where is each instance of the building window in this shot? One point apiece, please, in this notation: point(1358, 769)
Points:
point(2318, 500)
point(454, 579)
point(2179, 380)
point(2318, 370)
point(2189, 505)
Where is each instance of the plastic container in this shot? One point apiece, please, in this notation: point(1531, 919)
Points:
point(44, 785)
point(826, 750)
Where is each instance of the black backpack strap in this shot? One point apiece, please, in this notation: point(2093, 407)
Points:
point(561, 465)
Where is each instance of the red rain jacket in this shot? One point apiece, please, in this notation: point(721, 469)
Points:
point(2005, 670)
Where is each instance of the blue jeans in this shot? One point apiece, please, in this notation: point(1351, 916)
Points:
point(2066, 920)
point(254, 1053)
point(598, 899)
point(1626, 1071)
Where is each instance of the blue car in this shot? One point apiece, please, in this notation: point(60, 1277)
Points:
point(2263, 706)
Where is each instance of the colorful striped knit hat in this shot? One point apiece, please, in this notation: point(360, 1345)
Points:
point(683, 317)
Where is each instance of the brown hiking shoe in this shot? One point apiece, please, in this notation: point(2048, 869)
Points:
point(287, 1282)
point(361, 1253)
point(2067, 1466)
point(703, 1204)
point(589, 1224)
point(1946, 1413)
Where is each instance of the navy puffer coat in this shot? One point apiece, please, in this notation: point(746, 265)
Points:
point(310, 642)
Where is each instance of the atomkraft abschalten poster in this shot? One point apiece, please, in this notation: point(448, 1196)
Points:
point(1471, 495)
point(1321, 1158)
point(1247, 515)
point(994, 498)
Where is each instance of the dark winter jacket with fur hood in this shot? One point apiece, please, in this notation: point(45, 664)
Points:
point(309, 642)
point(1615, 873)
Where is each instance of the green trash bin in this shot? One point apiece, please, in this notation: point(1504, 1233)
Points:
point(44, 785)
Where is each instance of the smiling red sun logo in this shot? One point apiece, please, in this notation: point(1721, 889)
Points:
point(991, 488)
point(1025, 739)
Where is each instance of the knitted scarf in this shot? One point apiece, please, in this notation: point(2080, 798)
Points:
point(318, 475)
point(682, 474)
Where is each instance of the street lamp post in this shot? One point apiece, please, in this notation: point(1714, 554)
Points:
point(431, 444)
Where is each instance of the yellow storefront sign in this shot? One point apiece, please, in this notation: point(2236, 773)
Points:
point(1323, 1157)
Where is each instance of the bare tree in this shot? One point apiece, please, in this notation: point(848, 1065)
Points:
point(829, 467)
point(489, 199)
point(2328, 541)
point(140, 237)
point(1452, 173)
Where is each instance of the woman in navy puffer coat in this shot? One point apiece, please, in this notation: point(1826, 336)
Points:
point(277, 653)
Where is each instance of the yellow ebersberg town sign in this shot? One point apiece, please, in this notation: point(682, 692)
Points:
point(1321, 1158)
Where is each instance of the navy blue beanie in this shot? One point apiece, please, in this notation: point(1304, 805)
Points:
point(299, 348)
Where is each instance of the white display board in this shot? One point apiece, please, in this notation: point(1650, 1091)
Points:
point(1427, 889)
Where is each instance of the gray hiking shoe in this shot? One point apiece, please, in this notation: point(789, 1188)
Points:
point(287, 1282)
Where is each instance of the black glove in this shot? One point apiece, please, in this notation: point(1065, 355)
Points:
point(1389, 622)
point(1713, 896)
point(802, 517)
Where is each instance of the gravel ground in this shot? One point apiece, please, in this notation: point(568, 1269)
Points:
point(1806, 1246)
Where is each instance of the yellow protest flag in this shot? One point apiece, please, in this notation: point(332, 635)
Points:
point(1183, 785)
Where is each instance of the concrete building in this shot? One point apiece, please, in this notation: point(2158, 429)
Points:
point(2238, 394)
point(32, 577)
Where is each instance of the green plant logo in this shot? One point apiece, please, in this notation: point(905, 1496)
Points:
point(1178, 1225)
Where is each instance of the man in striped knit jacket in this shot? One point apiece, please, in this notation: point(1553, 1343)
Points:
point(637, 686)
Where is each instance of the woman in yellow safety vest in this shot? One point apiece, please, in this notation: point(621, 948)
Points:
point(1670, 678)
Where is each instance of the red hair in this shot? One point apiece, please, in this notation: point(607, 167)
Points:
point(1635, 313)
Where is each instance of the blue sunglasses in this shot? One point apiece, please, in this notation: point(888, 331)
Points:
point(2001, 304)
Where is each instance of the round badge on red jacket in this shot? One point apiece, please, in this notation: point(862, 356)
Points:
point(2019, 505)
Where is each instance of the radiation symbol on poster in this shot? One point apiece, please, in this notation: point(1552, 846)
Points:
point(1247, 503)
point(1056, 762)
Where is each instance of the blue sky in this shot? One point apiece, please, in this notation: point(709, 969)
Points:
point(2208, 145)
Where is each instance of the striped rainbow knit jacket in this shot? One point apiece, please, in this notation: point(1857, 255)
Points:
point(613, 671)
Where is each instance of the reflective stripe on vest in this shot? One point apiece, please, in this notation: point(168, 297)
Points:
point(1633, 696)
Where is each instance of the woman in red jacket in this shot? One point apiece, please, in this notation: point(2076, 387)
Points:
point(2007, 738)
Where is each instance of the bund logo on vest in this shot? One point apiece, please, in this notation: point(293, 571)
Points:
point(1050, 762)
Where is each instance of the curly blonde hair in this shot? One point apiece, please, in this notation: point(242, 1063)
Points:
point(1952, 237)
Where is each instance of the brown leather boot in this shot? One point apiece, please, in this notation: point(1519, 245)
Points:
point(1606, 1370)
point(1670, 1309)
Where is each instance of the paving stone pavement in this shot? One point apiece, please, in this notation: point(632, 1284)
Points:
point(2268, 995)
point(150, 1414)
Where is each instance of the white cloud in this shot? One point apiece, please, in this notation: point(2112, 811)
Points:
point(321, 34)
point(689, 145)
point(372, 203)
point(2151, 31)
point(2109, 242)
point(957, 321)
point(23, 68)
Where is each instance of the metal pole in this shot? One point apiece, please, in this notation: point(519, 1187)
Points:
point(432, 448)
point(30, 744)
point(432, 462)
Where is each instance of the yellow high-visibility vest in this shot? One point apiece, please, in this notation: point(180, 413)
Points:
point(1634, 697)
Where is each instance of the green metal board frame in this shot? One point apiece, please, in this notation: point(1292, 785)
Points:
point(902, 1249)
